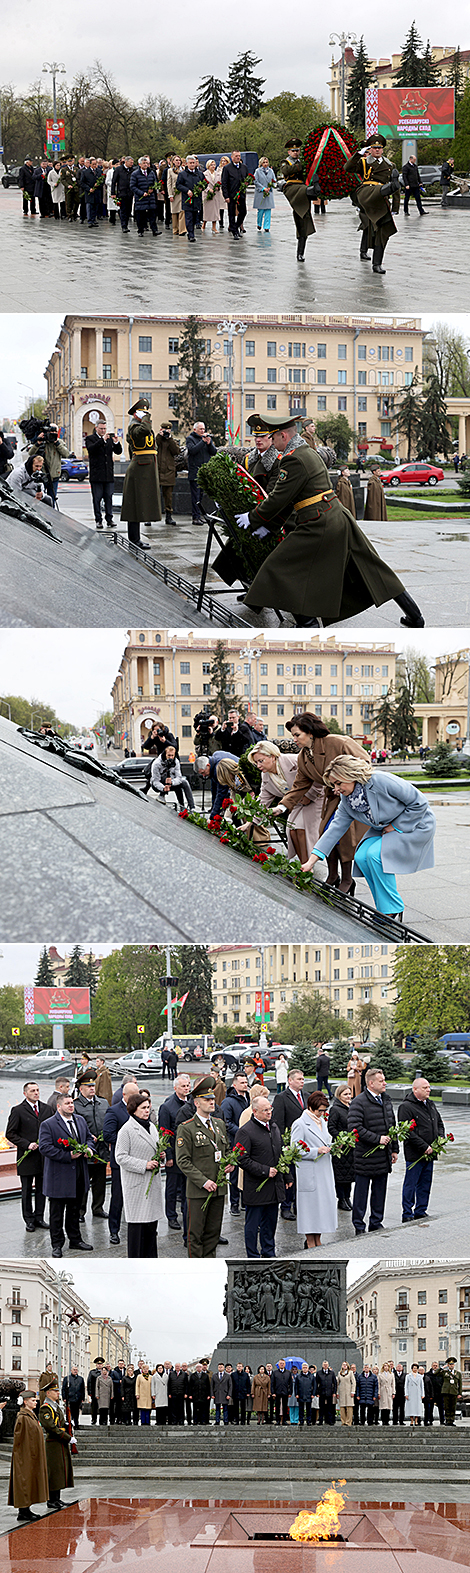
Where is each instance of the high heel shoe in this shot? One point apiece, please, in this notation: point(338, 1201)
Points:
point(350, 890)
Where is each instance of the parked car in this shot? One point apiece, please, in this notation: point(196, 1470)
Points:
point(135, 770)
point(421, 473)
point(138, 1060)
point(10, 178)
point(74, 470)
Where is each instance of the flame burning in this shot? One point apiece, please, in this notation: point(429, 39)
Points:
point(324, 1523)
point(5, 1146)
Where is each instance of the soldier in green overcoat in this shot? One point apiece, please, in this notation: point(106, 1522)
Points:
point(451, 1389)
point(262, 462)
point(141, 503)
point(200, 1145)
point(299, 195)
point(378, 181)
point(326, 568)
point(59, 1463)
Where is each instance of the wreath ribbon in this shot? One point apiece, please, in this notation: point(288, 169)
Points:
point(330, 131)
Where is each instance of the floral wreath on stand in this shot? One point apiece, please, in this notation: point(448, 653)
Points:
point(325, 152)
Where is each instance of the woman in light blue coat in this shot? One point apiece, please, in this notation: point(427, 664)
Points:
point(399, 828)
point(316, 1196)
point(263, 200)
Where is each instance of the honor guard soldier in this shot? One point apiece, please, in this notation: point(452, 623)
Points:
point(378, 181)
point(326, 568)
point(59, 1463)
point(298, 193)
point(262, 462)
point(200, 1145)
point(141, 502)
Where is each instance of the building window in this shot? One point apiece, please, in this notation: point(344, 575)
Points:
point(145, 344)
point(107, 373)
point(16, 1340)
point(409, 352)
point(342, 404)
point(186, 688)
point(443, 1297)
point(107, 344)
point(185, 666)
point(250, 346)
point(342, 351)
point(271, 401)
point(321, 351)
point(280, 709)
point(16, 1363)
point(172, 401)
point(186, 709)
point(156, 690)
point(361, 352)
point(321, 377)
point(271, 374)
point(443, 1319)
point(249, 405)
point(271, 349)
point(173, 373)
point(16, 1316)
point(422, 1320)
point(186, 731)
point(145, 372)
point(173, 346)
point(250, 374)
point(321, 403)
point(342, 377)
point(362, 379)
point(421, 1343)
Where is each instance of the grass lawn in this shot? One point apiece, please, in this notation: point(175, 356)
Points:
point(399, 512)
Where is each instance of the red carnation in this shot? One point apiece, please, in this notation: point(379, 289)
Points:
point(270, 851)
point(450, 1138)
point(226, 803)
point(183, 813)
point(223, 840)
point(412, 1125)
point(62, 1141)
point(164, 1132)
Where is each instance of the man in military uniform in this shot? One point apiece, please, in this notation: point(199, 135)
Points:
point(298, 193)
point(376, 507)
point(200, 1145)
point(326, 568)
point(451, 1389)
point(345, 492)
point(59, 1463)
point(71, 182)
point(141, 502)
point(262, 462)
point(378, 180)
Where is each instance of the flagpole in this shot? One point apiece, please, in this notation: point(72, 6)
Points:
point(169, 1002)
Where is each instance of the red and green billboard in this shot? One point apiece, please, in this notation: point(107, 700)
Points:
point(46, 1007)
point(410, 113)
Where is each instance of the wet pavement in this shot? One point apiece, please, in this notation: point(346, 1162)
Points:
point(81, 270)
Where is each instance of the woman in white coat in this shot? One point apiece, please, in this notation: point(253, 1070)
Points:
point(210, 196)
point(134, 1152)
point(279, 772)
point(159, 1390)
point(346, 1393)
point(316, 1196)
point(386, 1381)
point(54, 180)
point(414, 1396)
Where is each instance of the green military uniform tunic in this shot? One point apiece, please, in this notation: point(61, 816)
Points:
point(376, 211)
point(298, 195)
point(450, 1391)
point(326, 567)
point(59, 1463)
point(196, 1148)
point(141, 501)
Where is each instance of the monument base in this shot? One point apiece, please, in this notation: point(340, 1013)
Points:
point(282, 1344)
point(286, 1309)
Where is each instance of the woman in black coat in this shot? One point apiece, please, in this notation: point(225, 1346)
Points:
point(343, 1168)
point(128, 1404)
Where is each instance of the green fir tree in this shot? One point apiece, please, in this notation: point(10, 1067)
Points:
point(198, 398)
point(433, 433)
point(221, 683)
point(244, 90)
point(404, 729)
point(359, 80)
point(443, 761)
point(44, 976)
point(195, 978)
point(75, 976)
point(410, 73)
point(210, 105)
point(384, 715)
point(408, 415)
point(430, 70)
point(427, 1061)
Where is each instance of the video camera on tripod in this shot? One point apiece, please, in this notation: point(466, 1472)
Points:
point(204, 727)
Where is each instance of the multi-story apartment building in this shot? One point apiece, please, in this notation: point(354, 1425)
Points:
point(412, 1310)
point(59, 965)
point(32, 1300)
point(168, 676)
point(344, 975)
point(110, 1339)
point(384, 71)
point(307, 363)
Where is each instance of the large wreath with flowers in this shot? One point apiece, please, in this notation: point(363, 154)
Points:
point(325, 152)
point(236, 491)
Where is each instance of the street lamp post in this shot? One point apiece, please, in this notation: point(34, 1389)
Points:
point(231, 329)
point(30, 390)
point(343, 39)
point(63, 1281)
point(249, 655)
point(54, 68)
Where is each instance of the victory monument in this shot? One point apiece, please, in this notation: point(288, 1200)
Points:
point(285, 1308)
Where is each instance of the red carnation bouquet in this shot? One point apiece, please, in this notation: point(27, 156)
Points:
point(164, 1139)
point(229, 1161)
point(438, 1146)
point(325, 153)
point(398, 1132)
point(81, 1149)
point(291, 1153)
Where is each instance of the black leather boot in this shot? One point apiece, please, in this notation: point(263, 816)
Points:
point(377, 258)
point(413, 617)
point(301, 244)
point(364, 246)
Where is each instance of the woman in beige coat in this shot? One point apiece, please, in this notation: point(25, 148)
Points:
point(386, 1392)
point(346, 1393)
point(143, 1395)
point(177, 216)
point(261, 1388)
point(318, 748)
point(354, 1073)
point(279, 773)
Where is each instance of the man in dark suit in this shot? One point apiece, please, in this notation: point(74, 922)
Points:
point(287, 1107)
point(65, 1174)
point(207, 768)
point(261, 1142)
point(129, 1080)
point(93, 1111)
point(114, 1118)
point(234, 175)
point(371, 1115)
point(22, 1129)
point(418, 1106)
point(61, 1084)
point(168, 1115)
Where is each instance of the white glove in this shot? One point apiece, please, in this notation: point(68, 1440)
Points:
point(243, 519)
point(262, 531)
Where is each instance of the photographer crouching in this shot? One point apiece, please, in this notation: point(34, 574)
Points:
point(43, 436)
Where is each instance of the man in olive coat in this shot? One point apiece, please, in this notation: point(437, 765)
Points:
point(200, 1145)
point(28, 1471)
point(59, 1463)
point(167, 454)
point(451, 1389)
point(345, 492)
point(326, 568)
point(263, 463)
point(299, 195)
point(378, 181)
point(376, 507)
point(141, 492)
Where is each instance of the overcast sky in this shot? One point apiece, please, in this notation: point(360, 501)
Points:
point(173, 59)
point(174, 1307)
point(19, 963)
point(26, 343)
point(72, 669)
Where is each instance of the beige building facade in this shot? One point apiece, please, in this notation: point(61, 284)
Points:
point(345, 975)
point(384, 71)
point(111, 1340)
point(168, 677)
point(311, 364)
point(409, 1310)
point(33, 1298)
point(446, 719)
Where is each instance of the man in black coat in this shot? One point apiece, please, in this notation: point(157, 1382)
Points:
point(261, 1142)
point(26, 183)
point(436, 1375)
point(121, 188)
point(87, 182)
point(305, 1386)
point(371, 1114)
point(93, 1111)
point(241, 1387)
point(73, 1393)
point(418, 1106)
point(446, 177)
point(281, 1388)
point(233, 176)
point(287, 1107)
point(327, 1388)
point(232, 1109)
point(116, 1116)
point(236, 735)
point(323, 1070)
point(187, 182)
point(175, 1181)
point(398, 1408)
point(412, 179)
point(92, 1379)
point(199, 447)
point(178, 1386)
point(100, 448)
point(6, 455)
point(22, 1129)
point(200, 1387)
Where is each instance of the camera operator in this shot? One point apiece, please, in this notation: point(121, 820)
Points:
point(157, 739)
point(167, 451)
point(53, 450)
point(100, 447)
point(205, 728)
point(236, 735)
point(6, 455)
point(27, 478)
point(200, 447)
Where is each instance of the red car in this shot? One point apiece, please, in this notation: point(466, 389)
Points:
point(421, 473)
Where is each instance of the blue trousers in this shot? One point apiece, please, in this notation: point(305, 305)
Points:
point(224, 1408)
point(368, 856)
point(262, 1221)
point(416, 1188)
point(378, 1192)
point(264, 218)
